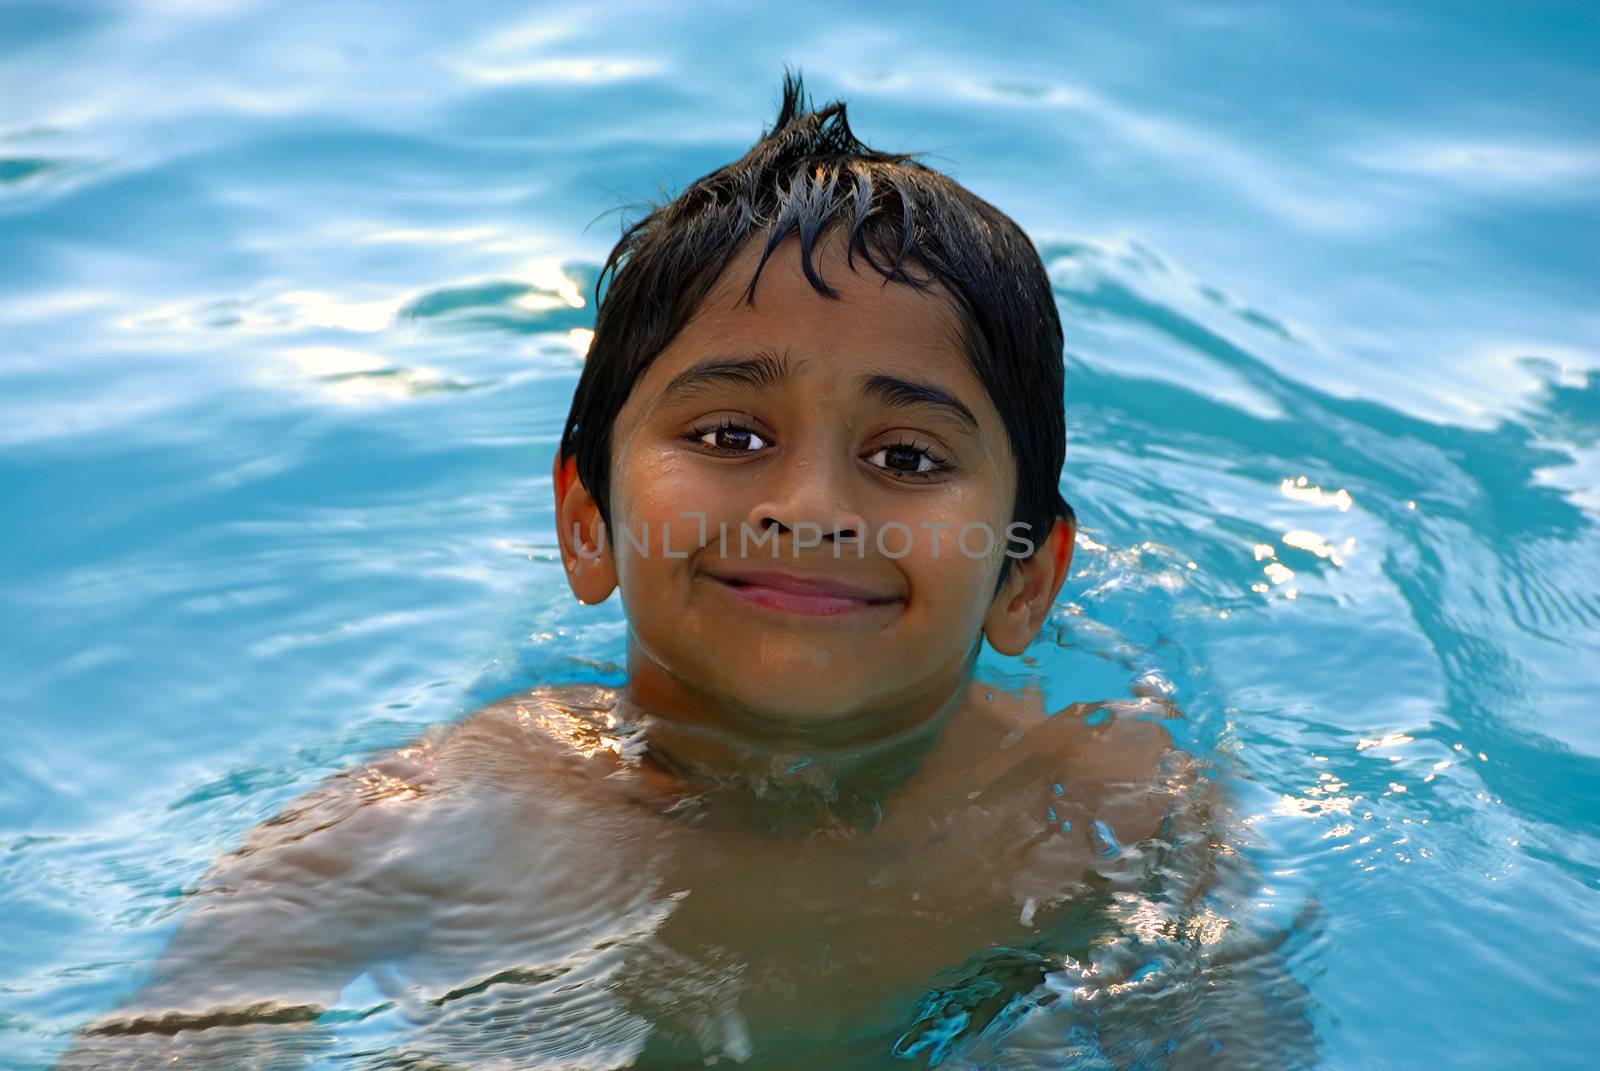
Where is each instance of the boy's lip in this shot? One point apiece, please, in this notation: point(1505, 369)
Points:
point(799, 591)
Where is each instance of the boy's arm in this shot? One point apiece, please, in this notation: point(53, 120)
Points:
point(274, 932)
point(1221, 995)
point(1191, 980)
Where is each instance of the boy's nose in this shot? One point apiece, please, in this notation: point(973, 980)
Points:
point(806, 493)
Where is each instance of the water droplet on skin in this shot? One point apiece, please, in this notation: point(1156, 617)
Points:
point(1051, 811)
point(1058, 790)
point(1105, 841)
point(1014, 735)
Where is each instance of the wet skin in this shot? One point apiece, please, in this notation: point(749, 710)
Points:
point(801, 806)
point(530, 848)
point(817, 424)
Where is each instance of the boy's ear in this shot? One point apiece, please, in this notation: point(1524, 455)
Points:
point(1022, 604)
point(580, 532)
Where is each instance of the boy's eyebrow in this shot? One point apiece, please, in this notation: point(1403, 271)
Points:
point(764, 369)
point(893, 390)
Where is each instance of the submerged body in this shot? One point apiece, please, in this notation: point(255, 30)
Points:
point(529, 889)
point(802, 835)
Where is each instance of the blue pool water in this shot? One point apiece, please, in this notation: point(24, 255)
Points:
point(291, 307)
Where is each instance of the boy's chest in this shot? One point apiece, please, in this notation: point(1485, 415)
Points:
point(800, 944)
point(719, 940)
point(824, 936)
point(801, 937)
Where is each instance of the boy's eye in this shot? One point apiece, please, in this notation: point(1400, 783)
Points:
point(730, 436)
point(907, 459)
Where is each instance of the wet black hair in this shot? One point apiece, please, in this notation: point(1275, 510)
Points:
point(807, 175)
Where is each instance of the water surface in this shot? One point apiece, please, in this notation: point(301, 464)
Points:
point(292, 302)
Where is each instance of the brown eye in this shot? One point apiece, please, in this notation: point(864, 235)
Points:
point(731, 437)
point(907, 459)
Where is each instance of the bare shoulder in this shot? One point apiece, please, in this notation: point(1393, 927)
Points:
point(547, 732)
point(1124, 741)
point(565, 711)
point(332, 880)
point(1122, 761)
point(1110, 741)
point(281, 921)
point(1112, 762)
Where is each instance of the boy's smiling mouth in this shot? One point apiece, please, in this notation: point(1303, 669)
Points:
point(799, 592)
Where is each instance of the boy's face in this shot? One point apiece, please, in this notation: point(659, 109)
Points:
point(783, 422)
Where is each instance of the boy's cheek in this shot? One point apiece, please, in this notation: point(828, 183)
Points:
point(666, 488)
point(950, 596)
point(666, 517)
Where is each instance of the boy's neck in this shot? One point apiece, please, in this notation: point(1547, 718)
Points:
point(798, 775)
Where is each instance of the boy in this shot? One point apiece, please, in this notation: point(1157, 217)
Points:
point(815, 448)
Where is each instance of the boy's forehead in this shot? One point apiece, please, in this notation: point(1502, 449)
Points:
point(879, 339)
point(874, 322)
